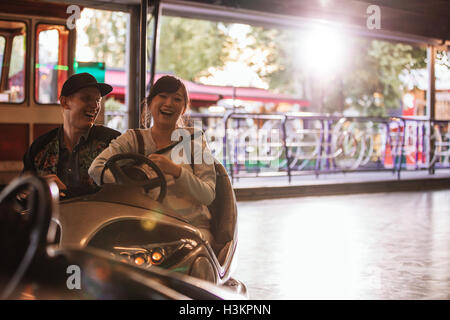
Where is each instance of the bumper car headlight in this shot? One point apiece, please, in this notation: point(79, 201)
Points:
point(155, 254)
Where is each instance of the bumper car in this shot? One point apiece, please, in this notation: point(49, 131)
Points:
point(126, 244)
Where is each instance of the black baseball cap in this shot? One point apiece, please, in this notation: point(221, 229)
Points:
point(82, 80)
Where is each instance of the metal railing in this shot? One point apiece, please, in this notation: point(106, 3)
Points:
point(292, 144)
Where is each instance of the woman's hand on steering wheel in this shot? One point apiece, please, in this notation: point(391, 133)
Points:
point(121, 178)
point(166, 165)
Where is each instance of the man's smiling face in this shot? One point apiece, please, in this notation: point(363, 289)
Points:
point(81, 108)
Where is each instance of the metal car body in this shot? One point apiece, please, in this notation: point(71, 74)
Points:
point(147, 250)
point(123, 220)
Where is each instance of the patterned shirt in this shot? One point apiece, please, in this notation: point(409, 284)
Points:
point(48, 154)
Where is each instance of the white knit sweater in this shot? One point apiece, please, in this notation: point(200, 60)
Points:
point(190, 193)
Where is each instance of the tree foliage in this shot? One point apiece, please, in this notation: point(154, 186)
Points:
point(107, 33)
point(188, 48)
point(371, 83)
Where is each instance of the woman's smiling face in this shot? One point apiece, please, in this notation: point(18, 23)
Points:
point(166, 108)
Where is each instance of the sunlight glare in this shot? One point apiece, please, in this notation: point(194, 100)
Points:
point(324, 50)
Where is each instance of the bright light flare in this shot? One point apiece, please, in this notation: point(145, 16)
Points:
point(324, 50)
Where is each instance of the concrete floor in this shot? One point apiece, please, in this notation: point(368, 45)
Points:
point(365, 246)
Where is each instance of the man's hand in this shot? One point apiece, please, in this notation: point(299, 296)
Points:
point(59, 183)
point(55, 178)
point(22, 195)
point(166, 165)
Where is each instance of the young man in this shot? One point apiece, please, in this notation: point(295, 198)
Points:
point(64, 154)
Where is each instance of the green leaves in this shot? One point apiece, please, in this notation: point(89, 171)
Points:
point(189, 47)
point(370, 82)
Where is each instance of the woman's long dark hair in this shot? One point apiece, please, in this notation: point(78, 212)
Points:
point(167, 84)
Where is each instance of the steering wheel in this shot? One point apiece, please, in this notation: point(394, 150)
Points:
point(25, 234)
point(123, 179)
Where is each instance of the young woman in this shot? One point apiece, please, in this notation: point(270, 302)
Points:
point(190, 188)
